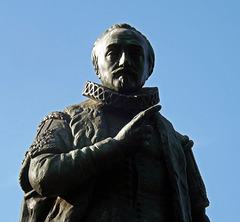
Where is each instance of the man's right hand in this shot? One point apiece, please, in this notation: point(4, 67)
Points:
point(135, 133)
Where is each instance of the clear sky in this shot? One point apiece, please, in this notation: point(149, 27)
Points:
point(45, 49)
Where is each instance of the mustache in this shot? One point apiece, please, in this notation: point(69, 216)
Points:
point(128, 70)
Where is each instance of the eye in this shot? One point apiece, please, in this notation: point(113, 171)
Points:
point(112, 54)
point(136, 53)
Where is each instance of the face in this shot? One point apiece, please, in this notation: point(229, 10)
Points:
point(122, 60)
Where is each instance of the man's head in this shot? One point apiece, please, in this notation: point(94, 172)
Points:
point(123, 58)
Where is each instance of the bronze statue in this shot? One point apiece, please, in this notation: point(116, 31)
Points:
point(113, 157)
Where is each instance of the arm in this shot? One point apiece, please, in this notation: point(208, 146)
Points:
point(53, 174)
point(56, 168)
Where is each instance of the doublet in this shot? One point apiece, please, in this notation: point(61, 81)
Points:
point(76, 171)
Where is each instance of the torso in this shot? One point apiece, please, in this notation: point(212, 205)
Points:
point(138, 190)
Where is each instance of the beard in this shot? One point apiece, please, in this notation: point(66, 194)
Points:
point(124, 84)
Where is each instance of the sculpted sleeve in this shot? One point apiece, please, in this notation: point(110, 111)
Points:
point(197, 190)
point(56, 166)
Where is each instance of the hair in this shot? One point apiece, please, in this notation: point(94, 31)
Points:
point(150, 57)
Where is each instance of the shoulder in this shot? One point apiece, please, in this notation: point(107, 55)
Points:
point(83, 107)
point(56, 115)
point(166, 126)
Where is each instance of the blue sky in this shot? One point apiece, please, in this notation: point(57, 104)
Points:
point(45, 50)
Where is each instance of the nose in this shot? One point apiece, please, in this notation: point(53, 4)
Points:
point(123, 59)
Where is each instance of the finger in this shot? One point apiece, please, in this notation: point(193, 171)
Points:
point(146, 129)
point(144, 134)
point(140, 132)
point(139, 119)
point(145, 144)
point(147, 136)
point(144, 137)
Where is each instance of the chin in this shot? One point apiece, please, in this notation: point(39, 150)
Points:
point(125, 86)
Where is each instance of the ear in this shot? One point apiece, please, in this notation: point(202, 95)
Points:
point(95, 65)
point(98, 74)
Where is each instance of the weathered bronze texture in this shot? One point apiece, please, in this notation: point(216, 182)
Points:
point(113, 157)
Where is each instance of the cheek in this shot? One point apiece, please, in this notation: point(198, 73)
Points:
point(104, 65)
point(146, 70)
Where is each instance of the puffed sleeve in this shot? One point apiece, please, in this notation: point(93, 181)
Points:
point(56, 166)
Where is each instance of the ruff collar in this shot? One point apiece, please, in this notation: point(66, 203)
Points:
point(142, 100)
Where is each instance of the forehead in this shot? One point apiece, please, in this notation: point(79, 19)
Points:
point(123, 37)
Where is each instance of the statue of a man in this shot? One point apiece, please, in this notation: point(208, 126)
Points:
point(113, 157)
